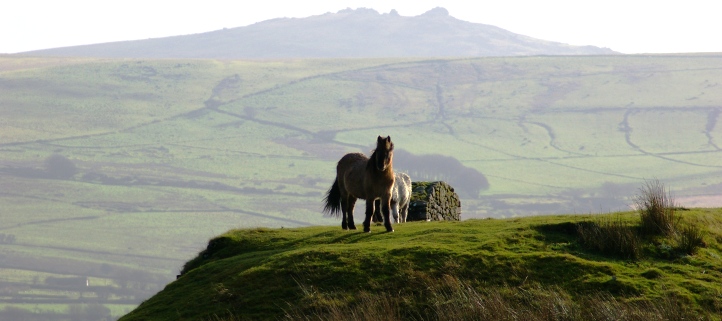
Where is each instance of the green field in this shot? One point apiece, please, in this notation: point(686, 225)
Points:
point(120, 170)
point(446, 271)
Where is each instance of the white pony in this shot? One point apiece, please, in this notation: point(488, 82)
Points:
point(400, 199)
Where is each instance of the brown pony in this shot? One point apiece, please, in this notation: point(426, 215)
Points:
point(358, 176)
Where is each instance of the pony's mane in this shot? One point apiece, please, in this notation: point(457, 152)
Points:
point(373, 156)
point(372, 159)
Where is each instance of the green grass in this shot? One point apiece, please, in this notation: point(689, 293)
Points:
point(266, 273)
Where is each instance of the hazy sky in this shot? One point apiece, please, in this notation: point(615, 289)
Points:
point(628, 26)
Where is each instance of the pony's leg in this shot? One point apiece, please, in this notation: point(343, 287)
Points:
point(369, 213)
point(404, 213)
point(377, 218)
point(351, 205)
point(395, 211)
point(386, 209)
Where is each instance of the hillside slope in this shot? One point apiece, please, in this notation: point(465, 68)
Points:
point(268, 273)
point(101, 157)
point(360, 33)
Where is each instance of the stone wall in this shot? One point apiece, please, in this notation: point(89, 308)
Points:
point(434, 201)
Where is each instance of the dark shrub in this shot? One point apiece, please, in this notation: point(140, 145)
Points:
point(58, 166)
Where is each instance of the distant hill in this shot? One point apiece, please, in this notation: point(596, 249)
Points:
point(361, 33)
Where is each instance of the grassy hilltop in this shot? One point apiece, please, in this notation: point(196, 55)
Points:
point(117, 171)
point(532, 268)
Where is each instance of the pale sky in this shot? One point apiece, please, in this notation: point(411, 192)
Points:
point(627, 26)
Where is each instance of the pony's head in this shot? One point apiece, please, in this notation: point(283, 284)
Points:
point(384, 153)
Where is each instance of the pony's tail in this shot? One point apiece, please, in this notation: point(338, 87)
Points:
point(333, 200)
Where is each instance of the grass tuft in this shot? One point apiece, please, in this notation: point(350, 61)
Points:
point(657, 209)
point(611, 236)
point(689, 239)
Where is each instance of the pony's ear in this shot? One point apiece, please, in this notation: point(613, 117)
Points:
point(389, 144)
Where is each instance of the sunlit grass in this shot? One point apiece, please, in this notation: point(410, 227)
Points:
point(321, 269)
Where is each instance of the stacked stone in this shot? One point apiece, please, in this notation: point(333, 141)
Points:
point(434, 201)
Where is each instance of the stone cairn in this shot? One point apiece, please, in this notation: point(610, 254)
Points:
point(434, 201)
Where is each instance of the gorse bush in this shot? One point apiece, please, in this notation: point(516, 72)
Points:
point(656, 209)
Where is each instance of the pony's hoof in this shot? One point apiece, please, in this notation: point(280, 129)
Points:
point(352, 227)
point(390, 231)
